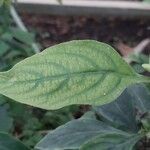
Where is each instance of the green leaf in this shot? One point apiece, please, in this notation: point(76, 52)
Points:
point(139, 58)
point(74, 134)
point(23, 36)
point(120, 113)
point(77, 72)
point(9, 143)
point(146, 67)
point(112, 142)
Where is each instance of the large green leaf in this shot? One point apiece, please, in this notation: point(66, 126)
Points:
point(9, 143)
point(74, 134)
point(77, 72)
point(112, 142)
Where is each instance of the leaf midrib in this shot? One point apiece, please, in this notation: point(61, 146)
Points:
point(70, 75)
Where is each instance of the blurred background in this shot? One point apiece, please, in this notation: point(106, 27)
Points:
point(29, 26)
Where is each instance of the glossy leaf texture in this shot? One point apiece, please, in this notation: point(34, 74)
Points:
point(9, 143)
point(76, 72)
point(77, 133)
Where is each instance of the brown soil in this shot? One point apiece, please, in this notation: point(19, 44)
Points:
point(114, 31)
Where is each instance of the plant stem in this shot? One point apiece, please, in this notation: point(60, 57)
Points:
point(21, 25)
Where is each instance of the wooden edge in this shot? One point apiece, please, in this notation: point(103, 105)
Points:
point(85, 7)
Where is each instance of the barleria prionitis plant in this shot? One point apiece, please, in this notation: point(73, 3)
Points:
point(83, 72)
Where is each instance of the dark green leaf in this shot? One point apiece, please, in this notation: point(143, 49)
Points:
point(74, 134)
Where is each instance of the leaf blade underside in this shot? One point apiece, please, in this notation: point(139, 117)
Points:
point(84, 132)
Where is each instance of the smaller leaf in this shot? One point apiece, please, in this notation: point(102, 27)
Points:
point(9, 143)
point(22, 36)
point(139, 58)
point(146, 67)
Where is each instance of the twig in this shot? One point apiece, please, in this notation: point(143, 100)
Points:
point(21, 25)
point(138, 49)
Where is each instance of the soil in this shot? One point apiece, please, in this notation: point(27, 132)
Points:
point(114, 31)
point(120, 33)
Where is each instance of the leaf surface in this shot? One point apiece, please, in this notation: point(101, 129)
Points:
point(74, 134)
point(86, 134)
point(22, 36)
point(77, 72)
